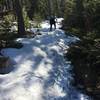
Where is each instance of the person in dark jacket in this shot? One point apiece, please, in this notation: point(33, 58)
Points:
point(52, 22)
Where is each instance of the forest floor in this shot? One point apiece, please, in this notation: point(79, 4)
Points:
point(40, 71)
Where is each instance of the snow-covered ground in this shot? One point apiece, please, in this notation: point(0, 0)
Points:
point(40, 71)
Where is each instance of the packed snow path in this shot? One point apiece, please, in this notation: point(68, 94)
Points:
point(40, 71)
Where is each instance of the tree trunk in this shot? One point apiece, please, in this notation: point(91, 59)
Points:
point(49, 7)
point(62, 7)
point(19, 14)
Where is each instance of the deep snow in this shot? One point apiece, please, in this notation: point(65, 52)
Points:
point(40, 71)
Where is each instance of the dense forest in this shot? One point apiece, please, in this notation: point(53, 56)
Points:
point(81, 19)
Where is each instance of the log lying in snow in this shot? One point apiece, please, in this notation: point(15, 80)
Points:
point(33, 34)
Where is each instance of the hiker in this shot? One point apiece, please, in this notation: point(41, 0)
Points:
point(52, 22)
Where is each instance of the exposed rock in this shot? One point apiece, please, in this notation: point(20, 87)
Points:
point(4, 62)
point(5, 65)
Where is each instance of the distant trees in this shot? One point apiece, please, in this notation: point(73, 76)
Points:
point(6, 5)
point(33, 8)
point(79, 14)
point(46, 8)
point(15, 7)
point(57, 7)
point(83, 15)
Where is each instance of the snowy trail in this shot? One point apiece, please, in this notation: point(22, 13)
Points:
point(40, 71)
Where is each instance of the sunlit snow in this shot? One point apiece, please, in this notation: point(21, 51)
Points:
point(40, 71)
